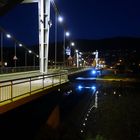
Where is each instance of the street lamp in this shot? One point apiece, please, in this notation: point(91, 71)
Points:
point(30, 51)
point(1, 46)
point(66, 34)
point(15, 56)
point(72, 44)
point(77, 58)
point(60, 19)
point(8, 35)
point(20, 45)
point(25, 58)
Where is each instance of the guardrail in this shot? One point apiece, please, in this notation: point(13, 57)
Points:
point(11, 89)
point(5, 70)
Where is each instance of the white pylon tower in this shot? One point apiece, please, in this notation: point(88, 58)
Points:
point(44, 27)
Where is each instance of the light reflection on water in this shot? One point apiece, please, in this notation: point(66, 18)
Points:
point(113, 112)
point(118, 113)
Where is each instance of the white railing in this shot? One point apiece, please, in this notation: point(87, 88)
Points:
point(9, 90)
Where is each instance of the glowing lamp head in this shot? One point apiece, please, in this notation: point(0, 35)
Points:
point(20, 45)
point(67, 34)
point(8, 35)
point(72, 44)
point(30, 51)
point(60, 19)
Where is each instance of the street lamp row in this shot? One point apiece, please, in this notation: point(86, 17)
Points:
point(9, 36)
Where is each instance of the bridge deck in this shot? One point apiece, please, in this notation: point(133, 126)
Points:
point(15, 89)
point(17, 86)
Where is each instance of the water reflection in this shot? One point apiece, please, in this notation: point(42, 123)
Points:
point(117, 114)
point(111, 110)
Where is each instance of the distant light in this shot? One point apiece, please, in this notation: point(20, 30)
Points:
point(72, 44)
point(93, 87)
point(97, 91)
point(20, 45)
point(60, 19)
point(37, 56)
point(30, 51)
point(84, 124)
point(80, 87)
point(8, 35)
point(93, 72)
point(114, 92)
point(5, 64)
point(67, 34)
point(76, 51)
point(81, 131)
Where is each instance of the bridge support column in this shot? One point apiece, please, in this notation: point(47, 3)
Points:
point(44, 25)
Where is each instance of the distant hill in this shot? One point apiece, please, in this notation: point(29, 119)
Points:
point(107, 44)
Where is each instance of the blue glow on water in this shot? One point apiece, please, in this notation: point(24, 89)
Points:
point(80, 87)
point(93, 72)
point(93, 88)
point(83, 78)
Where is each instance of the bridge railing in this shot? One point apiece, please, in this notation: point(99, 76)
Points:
point(18, 88)
point(5, 70)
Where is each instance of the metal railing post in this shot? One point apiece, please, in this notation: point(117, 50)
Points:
point(43, 81)
point(60, 79)
point(11, 90)
point(30, 86)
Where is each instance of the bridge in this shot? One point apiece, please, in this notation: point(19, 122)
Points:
point(18, 87)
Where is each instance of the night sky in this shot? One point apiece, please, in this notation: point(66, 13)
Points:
point(90, 19)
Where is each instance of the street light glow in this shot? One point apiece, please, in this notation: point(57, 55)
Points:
point(20, 45)
point(76, 51)
point(30, 51)
point(60, 19)
point(67, 34)
point(72, 44)
point(8, 35)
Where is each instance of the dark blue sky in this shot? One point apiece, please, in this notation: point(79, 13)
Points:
point(90, 19)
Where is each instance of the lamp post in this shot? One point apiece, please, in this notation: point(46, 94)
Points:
point(66, 34)
point(15, 56)
point(56, 15)
point(60, 20)
point(25, 58)
point(34, 61)
point(1, 46)
point(77, 58)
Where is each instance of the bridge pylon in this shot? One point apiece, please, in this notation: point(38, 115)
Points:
point(44, 28)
